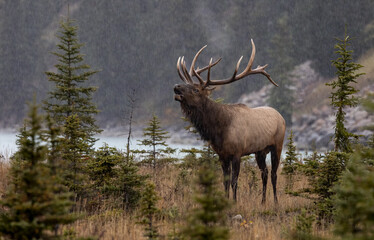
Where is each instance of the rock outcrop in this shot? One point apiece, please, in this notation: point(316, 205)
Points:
point(315, 127)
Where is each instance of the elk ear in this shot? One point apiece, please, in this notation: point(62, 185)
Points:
point(209, 90)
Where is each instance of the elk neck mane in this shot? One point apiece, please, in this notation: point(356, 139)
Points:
point(210, 119)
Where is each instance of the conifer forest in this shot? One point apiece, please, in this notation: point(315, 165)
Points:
point(210, 146)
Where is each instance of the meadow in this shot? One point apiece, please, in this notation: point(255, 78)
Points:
point(260, 221)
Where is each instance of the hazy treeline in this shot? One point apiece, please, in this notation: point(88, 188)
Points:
point(135, 44)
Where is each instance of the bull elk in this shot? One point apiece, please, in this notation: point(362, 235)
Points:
point(233, 130)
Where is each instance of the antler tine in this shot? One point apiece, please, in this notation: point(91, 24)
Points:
point(251, 59)
point(179, 71)
point(194, 60)
point(232, 79)
point(208, 76)
point(186, 74)
point(206, 67)
point(247, 71)
point(198, 77)
point(261, 69)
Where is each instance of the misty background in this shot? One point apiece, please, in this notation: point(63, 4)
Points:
point(136, 44)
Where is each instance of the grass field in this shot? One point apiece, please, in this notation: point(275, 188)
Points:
point(268, 221)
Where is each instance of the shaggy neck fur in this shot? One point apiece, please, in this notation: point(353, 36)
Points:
point(210, 119)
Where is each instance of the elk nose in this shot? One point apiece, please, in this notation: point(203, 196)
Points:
point(177, 86)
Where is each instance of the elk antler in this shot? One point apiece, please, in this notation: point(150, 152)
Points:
point(196, 72)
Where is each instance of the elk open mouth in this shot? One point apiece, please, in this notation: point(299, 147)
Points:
point(178, 95)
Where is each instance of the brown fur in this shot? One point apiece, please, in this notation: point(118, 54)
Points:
point(234, 130)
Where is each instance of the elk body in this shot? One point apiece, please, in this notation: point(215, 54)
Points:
point(233, 130)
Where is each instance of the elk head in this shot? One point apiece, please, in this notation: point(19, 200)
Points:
point(193, 93)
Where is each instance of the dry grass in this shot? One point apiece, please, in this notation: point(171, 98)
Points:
point(267, 221)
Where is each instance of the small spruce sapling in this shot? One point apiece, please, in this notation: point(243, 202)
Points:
point(303, 227)
point(148, 211)
point(342, 94)
point(354, 198)
point(208, 220)
point(290, 162)
point(154, 137)
point(36, 202)
point(130, 183)
point(102, 168)
point(74, 147)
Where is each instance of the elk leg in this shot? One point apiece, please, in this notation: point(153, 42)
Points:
point(260, 159)
point(235, 175)
point(275, 159)
point(226, 168)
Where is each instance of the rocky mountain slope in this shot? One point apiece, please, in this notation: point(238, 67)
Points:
point(313, 118)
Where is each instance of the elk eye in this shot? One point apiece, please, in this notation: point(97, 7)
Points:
point(196, 90)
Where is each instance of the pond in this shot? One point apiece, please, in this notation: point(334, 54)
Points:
point(8, 143)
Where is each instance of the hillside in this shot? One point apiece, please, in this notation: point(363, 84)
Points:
point(313, 118)
point(135, 44)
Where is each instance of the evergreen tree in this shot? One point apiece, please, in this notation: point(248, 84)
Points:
point(303, 227)
point(327, 176)
point(71, 95)
point(343, 92)
point(102, 168)
point(70, 105)
point(155, 136)
point(207, 221)
point(282, 98)
point(354, 198)
point(148, 211)
point(130, 183)
point(54, 139)
point(35, 202)
point(74, 147)
point(290, 162)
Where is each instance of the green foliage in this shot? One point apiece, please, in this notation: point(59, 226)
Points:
point(35, 202)
point(74, 147)
point(343, 92)
point(282, 98)
point(303, 227)
point(207, 220)
point(113, 174)
point(70, 106)
point(354, 199)
point(192, 158)
point(148, 211)
point(311, 165)
point(53, 137)
point(130, 183)
point(102, 168)
point(173, 214)
point(290, 163)
point(154, 137)
point(323, 174)
point(70, 95)
point(304, 223)
point(250, 170)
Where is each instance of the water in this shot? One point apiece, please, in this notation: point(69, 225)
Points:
point(8, 143)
